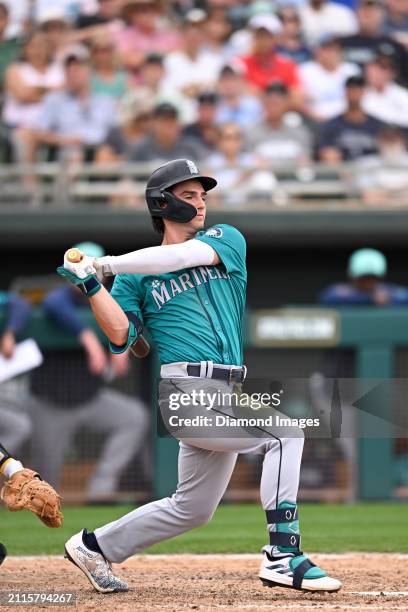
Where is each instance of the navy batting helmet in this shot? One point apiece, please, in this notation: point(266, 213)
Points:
point(162, 202)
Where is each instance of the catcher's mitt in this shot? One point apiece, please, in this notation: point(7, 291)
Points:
point(26, 490)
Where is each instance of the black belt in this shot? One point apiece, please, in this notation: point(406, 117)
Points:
point(227, 373)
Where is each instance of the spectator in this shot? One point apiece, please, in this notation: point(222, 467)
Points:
point(143, 33)
point(384, 99)
point(323, 81)
point(236, 104)
point(55, 27)
point(9, 47)
point(134, 114)
point(108, 12)
point(203, 130)
point(322, 18)
point(106, 77)
point(74, 120)
point(366, 285)
point(26, 84)
point(166, 141)
point(18, 23)
point(193, 68)
point(369, 41)
point(291, 42)
point(396, 21)
point(352, 134)
point(69, 393)
point(152, 76)
point(15, 426)
point(383, 178)
point(105, 21)
point(274, 140)
point(234, 167)
point(217, 29)
point(264, 64)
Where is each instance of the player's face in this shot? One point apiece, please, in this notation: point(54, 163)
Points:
point(193, 193)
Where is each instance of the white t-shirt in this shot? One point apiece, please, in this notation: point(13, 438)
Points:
point(325, 92)
point(181, 70)
point(20, 114)
point(390, 105)
point(332, 19)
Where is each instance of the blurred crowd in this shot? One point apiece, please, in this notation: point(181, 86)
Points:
point(232, 84)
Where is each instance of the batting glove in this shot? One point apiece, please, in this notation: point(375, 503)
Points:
point(82, 274)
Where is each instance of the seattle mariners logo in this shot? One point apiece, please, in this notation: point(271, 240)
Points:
point(191, 166)
point(155, 284)
point(214, 232)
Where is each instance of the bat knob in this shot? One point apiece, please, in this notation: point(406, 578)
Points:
point(74, 255)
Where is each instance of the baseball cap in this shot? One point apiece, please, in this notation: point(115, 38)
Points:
point(356, 80)
point(134, 104)
point(207, 97)
point(51, 14)
point(367, 262)
point(195, 16)
point(234, 68)
point(91, 249)
point(154, 58)
point(266, 21)
point(75, 53)
point(165, 109)
point(276, 87)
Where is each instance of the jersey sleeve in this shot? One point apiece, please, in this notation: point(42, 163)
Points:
point(230, 246)
point(125, 291)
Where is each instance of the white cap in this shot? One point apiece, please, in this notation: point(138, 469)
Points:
point(52, 14)
point(266, 21)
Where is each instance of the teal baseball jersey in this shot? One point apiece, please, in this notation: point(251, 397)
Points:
point(194, 314)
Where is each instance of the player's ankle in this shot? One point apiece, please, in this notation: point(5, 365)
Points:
point(90, 541)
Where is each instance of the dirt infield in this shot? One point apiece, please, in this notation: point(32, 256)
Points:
point(171, 582)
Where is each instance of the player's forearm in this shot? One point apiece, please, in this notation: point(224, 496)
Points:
point(160, 259)
point(110, 316)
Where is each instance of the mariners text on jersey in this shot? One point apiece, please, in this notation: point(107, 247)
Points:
point(163, 291)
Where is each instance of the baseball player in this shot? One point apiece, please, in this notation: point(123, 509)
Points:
point(190, 295)
point(25, 489)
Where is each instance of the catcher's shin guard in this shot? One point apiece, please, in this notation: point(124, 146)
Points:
point(3, 553)
point(283, 563)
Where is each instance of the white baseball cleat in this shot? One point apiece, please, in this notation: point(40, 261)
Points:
point(296, 572)
point(94, 565)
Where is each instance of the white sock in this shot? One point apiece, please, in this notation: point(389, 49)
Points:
point(11, 467)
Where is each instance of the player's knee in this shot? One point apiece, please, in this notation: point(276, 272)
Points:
point(194, 513)
point(202, 517)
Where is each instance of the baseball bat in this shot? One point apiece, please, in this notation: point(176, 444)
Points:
point(74, 255)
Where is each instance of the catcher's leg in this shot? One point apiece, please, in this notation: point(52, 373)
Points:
point(3, 553)
point(53, 428)
point(125, 421)
point(15, 428)
point(283, 562)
